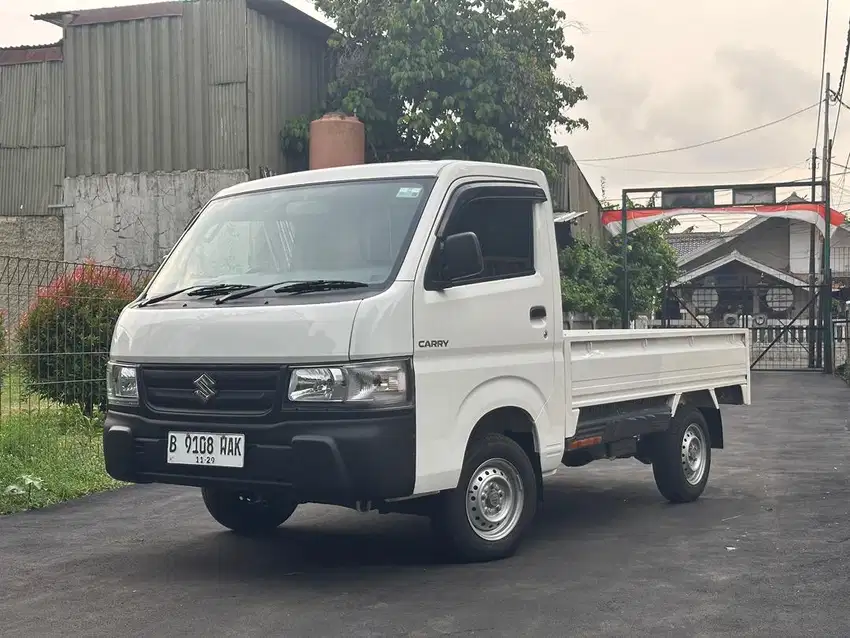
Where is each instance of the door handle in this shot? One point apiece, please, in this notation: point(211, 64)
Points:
point(537, 312)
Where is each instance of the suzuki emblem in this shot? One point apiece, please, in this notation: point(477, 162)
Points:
point(205, 388)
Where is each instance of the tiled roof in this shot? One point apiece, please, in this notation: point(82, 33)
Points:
point(684, 243)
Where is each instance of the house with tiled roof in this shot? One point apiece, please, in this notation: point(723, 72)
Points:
point(758, 270)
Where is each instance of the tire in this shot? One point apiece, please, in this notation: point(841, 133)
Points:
point(682, 458)
point(499, 468)
point(244, 515)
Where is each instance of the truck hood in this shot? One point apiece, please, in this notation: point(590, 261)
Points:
point(221, 334)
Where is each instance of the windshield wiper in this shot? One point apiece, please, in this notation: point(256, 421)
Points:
point(296, 287)
point(319, 285)
point(195, 291)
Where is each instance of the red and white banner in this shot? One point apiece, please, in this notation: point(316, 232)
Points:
point(802, 211)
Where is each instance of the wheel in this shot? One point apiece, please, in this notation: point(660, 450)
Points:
point(246, 513)
point(485, 517)
point(682, 458)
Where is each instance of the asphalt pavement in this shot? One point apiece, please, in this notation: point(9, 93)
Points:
point(765, 552)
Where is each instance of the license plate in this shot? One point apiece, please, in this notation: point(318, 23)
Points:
point(203, 448)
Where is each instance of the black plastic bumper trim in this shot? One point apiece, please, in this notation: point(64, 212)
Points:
point(322, 457)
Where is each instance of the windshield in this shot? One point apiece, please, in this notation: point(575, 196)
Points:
point(354, 231)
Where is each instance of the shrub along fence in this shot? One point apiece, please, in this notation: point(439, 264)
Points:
point(57, 322)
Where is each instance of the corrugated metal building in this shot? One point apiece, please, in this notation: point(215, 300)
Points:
point(32, 136)
point(571, 192)
point(154, 109)
point(176, 86)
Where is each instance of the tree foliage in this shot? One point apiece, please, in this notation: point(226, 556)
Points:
point(592, 276)
point(463, 79)
point(587, 280)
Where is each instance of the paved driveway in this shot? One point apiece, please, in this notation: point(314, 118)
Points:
point(766, 552)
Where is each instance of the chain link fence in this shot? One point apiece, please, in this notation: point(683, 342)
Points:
point(56, 322)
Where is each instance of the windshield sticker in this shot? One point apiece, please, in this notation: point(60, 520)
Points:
point(409, 192)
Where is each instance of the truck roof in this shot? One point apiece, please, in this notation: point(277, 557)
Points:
point(452, 169)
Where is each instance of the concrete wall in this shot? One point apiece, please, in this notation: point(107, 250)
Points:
point(132, 221)
point(32, 236)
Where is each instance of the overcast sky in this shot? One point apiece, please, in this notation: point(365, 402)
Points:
point(662, 74)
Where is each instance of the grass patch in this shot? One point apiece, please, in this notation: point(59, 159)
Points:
point(48, 453)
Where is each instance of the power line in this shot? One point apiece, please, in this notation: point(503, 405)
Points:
point(839, 94)
point(706, 143)
point(839, 97)
point(822, 67)
point(667, 172)
point(784, 170)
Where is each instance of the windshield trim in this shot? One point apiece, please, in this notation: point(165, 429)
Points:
point(428, 183)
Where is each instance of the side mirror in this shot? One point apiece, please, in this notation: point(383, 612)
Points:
point(461, 257)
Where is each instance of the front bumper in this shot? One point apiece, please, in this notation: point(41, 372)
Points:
point(329, 458)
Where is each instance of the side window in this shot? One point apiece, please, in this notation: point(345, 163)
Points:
point(505, 230)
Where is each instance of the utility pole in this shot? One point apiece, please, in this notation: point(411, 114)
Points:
point(827, 259)
point(812, 284)
point(624, 322)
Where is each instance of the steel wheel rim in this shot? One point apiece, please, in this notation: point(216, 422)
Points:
point(494, 499)
point(694, 454)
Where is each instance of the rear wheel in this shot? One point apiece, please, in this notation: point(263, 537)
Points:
point(682, 458)
point(496, 498)
point(247, 513)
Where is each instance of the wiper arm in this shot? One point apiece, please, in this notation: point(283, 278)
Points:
point(295, 287)
point(319, 285)
point(248, 291)
point(194, 291)
point(217, 289)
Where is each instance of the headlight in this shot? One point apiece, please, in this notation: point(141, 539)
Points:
point(121, 385)
point(375, 383)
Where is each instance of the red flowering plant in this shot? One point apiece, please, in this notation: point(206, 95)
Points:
point(64, 336)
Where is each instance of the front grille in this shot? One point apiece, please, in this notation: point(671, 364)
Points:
point(238, 390)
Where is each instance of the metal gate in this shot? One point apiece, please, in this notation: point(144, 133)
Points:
point(784, 321)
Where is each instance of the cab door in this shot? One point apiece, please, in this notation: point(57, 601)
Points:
point(486, 342)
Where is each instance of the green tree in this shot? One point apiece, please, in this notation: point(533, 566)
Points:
point(592, 276)
point(464, 79)
point(652, 266)
point(651, 261)
point(588, 280)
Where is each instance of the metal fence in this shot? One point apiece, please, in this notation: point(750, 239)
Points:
point(57, 321)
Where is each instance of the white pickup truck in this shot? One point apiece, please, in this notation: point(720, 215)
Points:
point(390, 337)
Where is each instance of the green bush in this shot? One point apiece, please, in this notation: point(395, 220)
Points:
point(64, 337)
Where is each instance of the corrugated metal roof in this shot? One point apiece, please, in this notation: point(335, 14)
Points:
point(276, 9)
point(104, 15)
point(31, 54)
point(285, 13)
